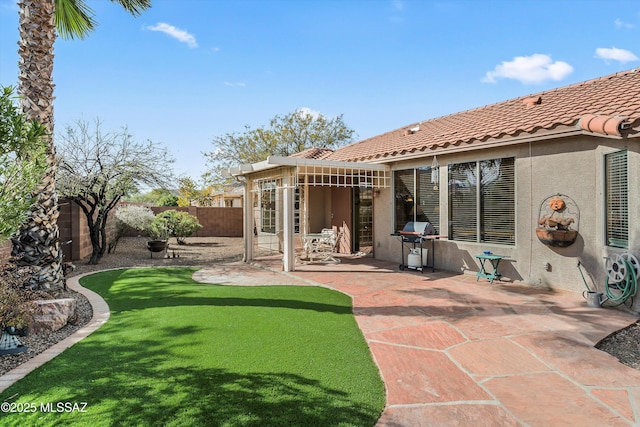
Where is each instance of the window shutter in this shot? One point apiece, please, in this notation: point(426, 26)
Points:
point(617, 203)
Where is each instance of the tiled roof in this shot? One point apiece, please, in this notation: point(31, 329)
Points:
point(313, 153)
point(607, 105)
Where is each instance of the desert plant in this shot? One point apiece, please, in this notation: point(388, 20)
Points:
point(159, 228)
point(179, 224)
point(22, 163)
point(16, 309)
point(129, 218)
point(136, 217)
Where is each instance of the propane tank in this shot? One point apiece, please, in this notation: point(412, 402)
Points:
point(413, 259)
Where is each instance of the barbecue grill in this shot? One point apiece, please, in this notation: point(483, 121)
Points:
point(412, 236)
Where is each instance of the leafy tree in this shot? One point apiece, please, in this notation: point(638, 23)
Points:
point(22, 163)
point(190, 191)
point(97, 169)
point(168, 200)
point(39, 20)
point(286, 135)
point(150, 198)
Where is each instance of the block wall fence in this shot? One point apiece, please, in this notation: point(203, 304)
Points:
point(74, 232)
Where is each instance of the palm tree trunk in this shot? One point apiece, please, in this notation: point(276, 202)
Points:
point(37, 242)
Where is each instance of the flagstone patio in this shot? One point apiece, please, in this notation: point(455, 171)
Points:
point(453, 351)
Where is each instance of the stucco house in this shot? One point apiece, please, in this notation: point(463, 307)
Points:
point(230, 197)
point(485, 178)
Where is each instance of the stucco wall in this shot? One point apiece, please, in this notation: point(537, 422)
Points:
point(319, 214)
point(571, 166)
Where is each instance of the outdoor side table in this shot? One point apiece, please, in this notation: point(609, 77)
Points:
point(494, 260)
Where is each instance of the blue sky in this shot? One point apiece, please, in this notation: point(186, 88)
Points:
point(189, 70)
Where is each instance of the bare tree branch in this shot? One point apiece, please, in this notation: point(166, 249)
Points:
point(97, 168)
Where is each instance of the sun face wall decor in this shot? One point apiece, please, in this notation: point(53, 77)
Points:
point(558, 221)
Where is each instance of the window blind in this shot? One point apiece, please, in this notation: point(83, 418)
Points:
point(404, 197)
point(497, 198)
point(482, 201)
point(416, 197)
point(617, 203)
point(463, 201)
point(428, 198)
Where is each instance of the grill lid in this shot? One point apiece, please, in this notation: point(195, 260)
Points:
point(418, 228)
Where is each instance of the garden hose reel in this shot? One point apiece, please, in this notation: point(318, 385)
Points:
point(622, 276)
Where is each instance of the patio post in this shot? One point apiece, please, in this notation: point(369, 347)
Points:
point(288, 202)
point(247, 222)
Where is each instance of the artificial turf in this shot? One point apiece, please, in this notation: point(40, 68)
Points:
point(179, 353)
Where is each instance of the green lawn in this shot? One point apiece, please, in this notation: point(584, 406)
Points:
point(179, 353)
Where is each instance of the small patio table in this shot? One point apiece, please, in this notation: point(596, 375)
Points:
point(494, 260)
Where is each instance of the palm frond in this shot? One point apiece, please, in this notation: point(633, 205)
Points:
point(73, 18)
point(135, 7)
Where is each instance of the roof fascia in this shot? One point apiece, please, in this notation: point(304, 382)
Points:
point(296, 161)
point(565, 133)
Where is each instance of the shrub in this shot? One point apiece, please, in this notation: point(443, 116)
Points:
point(137, 217)
point(159, 229)
point(16, 309)
point(22, 163)
point(129, 218)
point(178, 224)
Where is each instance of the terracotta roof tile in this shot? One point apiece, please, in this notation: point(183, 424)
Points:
point(313, 153)
point(614, 96)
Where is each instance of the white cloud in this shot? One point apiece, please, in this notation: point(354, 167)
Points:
point(178, 34)
point(306, 111)
point(615, 54)
point(621, 24)
point(235, 84)
point(536, 68)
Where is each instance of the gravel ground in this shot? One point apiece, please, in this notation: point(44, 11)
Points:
point(130, 252)
point(209, 251)
point(624, 345)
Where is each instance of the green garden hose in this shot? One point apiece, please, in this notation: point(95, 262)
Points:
point(583, 280)
point(626, 288)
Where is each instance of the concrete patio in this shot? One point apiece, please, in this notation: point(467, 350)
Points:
point(456, 352)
